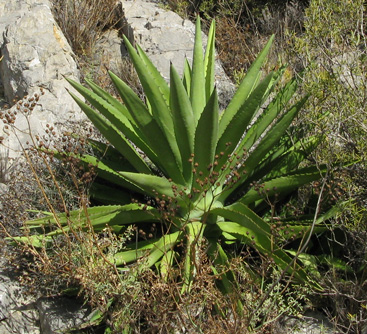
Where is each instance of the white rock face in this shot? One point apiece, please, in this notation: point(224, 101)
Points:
point(34, 54)
point(163, 35)
point(17, 313)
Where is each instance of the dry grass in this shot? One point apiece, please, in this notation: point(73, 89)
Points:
point(83, 21)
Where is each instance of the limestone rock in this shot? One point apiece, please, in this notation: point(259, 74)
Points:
point(109, 50)
point(35, 55)
point(35, 52)
point(17, 311)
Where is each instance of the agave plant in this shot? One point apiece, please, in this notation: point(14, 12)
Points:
point(199, 174)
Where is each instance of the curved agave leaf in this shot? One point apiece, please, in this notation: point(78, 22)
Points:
point(186, 78)
point(209, 62)
point(249, 228)
point(150, 82)
point(109, 195)
point(111, 100)
point(152, 252)
point(166, 264)
point(166, 157)
point(98, 217)
point(197, 94)
point(133, 253)
point(245, 88)
point(161, 247)
point(220, 259)
point(284, 184)
point(157, 186)
point(272, 137)
point(105, 170)
point(206, 136)
point(266, 144)
point(114, 136)
point(239, 122)
point(161, 82)
point(194, 232)
point(276, 106)
point(283, 160)
point(113, 115)
point(184, 122)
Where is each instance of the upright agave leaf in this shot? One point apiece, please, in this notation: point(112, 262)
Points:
point(203, 176)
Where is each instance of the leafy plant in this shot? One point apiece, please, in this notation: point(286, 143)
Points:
point(198, 177)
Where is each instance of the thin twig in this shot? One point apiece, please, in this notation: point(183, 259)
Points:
point(301, 250)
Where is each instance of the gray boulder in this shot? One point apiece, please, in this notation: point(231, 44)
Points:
point(17, 311)
point(35, 54)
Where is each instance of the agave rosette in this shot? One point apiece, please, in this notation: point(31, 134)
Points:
point(204, 175)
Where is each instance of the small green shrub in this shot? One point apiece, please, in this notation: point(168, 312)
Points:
point(331, 52)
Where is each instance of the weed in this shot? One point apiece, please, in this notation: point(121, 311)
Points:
point(83, 21)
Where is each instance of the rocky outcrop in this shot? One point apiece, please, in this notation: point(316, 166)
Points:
point(35, 54)
point(22, 313)
point(17, 315)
